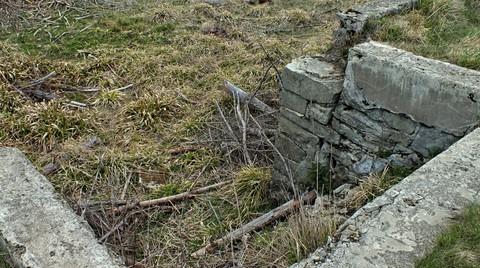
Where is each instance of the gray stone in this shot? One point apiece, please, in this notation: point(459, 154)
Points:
point(313, 80)
point(396, 229)
point(430, 141)
point(432, 92)
point(212, 2)
point(293, 102)
point(300, 171)
point(289, 148)
point(352, 134)
point(37, 228)
point(354, 23)
point(381, 8)
point(295, 131)
point(359, 120)
point(345, 154)
point(408, 161)
point(394, 121)
point(368, 165)
point(322, 131)
point(319, 113)
point(376, 132)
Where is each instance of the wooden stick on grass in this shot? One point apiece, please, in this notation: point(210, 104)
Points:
point(244, 97)
point(258, 223)
point(168, 200)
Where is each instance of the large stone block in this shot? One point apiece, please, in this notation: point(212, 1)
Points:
point(289, 148)
point(430, 141)
point(320, 113)
point(312, 126)
point(300, 172)
point(432, 92)
point(37, 228)
point(353, 135)
point(293, 101)
point(313, 79)
point(290, 127)
point(399, 122)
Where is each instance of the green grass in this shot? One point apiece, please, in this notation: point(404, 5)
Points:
point(177, 68)
point(459, 246)
point(447, 30)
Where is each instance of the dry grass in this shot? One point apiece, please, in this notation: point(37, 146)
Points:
point(447, 30)
point(176, 54)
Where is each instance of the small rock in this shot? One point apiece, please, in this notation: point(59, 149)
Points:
point(92, 141)
point(50, 168)
point(213, 28)
point(369, 165)
point(214, 2)
point(342, 189)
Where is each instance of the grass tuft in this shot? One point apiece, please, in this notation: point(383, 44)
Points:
point(250, 187)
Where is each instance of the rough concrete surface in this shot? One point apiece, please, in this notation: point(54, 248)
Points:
point(432, 92)
point(399, 227)
point(37, 228)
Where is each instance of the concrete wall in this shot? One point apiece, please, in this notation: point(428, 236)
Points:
point(37, 228)
point(390, 107)
point(399, 227)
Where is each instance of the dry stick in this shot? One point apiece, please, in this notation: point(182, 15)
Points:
point(230, 130)
point(122, 88)
point(168, 200)
point(244, 97)
point(73, 89)
point(257, 223)
point(243, 126)
point(41, 80)
point(257, 132)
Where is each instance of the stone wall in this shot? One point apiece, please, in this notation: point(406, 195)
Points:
point(355, 24)
point(390, 107)
point(399, 227)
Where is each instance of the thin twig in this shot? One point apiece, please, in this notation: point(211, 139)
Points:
point(285, 164)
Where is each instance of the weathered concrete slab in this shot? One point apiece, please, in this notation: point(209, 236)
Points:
point(313, 80)
point(400, 226)
point(382, 8)
point(432, 92)
point(37, 228)
point(354, 23)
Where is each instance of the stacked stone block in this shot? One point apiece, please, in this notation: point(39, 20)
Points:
point(311, 90)
point(391, 108)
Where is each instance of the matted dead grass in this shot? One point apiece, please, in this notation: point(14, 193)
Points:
point(162, 135)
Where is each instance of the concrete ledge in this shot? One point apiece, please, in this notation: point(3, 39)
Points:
point(400, 226)
point(37, 228)
point(431, 92)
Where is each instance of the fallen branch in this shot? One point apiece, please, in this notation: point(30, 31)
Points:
point(258, 132)
point(258, 223)
point(123, 88)
point(168, 200)
point(41, 80)
point(244, 97)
